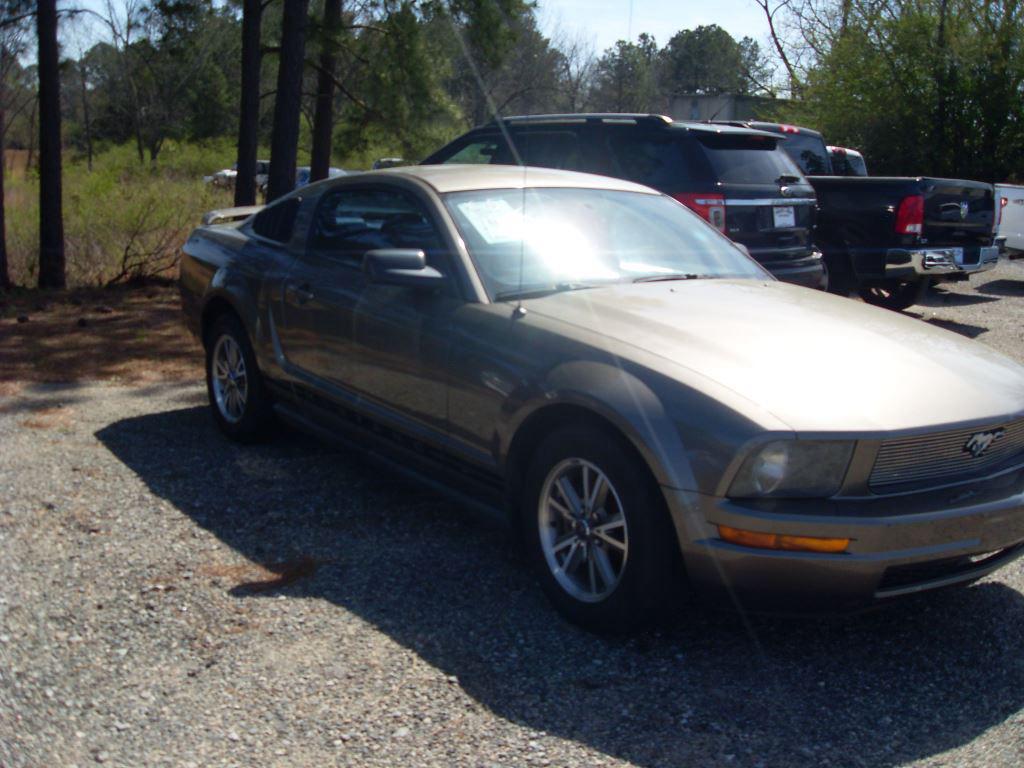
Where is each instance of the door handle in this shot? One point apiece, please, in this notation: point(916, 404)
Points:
point(301, 293)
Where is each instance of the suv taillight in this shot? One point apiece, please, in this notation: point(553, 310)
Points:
point(710, 207)
point(910, 215)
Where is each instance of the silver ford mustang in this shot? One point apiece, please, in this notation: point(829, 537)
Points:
point(654, 410)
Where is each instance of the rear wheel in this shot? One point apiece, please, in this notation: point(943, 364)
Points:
point(895, 294)
point(238, 397)
point(596, 531)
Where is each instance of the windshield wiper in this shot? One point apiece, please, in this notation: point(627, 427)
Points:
point(673, 276)
point(533, 293)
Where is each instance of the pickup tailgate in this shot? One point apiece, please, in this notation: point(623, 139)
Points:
point(958, 212)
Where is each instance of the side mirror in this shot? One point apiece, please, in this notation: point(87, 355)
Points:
point(400, 266)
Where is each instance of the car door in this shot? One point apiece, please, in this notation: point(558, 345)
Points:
point(382, 347)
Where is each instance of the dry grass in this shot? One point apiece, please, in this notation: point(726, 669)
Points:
point(130, 335)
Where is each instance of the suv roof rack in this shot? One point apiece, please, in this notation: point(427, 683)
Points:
point(594, 116)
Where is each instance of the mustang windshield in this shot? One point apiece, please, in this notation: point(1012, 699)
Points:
point(552, 239)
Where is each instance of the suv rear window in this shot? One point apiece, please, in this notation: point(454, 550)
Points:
point(740, 159)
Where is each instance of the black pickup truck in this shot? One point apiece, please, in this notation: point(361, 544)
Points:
point(889, 238)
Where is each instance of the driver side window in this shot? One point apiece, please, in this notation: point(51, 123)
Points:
point(350, 222)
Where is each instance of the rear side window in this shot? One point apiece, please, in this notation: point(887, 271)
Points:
point(809, 153)
point(276, 222)
point(481, 152)
point(740, 159)
point(549, 149)
point(544, 149)
point(659, 160)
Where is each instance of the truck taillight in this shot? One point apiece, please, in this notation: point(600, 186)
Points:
point(709, 207)
point(1002, 204)
point(910, 215)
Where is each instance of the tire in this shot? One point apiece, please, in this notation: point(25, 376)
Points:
point(621, 549)
point(239, 399)
point(895, 295)
point(839, 273)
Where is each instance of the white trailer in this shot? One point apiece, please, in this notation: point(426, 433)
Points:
point(1010, 202)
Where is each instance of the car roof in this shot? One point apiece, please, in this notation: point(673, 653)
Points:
point(619, 118)
point(464, 178)
point(847, 150)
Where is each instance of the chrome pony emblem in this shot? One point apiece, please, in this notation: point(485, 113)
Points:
point(964, 209)
point(979, 443)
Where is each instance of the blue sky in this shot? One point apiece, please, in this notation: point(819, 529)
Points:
point(602, 22)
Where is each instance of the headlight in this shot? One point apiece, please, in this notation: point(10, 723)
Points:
point(793, 468)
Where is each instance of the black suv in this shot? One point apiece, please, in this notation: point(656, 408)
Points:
point(737, 178)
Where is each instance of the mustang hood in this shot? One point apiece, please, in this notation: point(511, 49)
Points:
point(815, 361)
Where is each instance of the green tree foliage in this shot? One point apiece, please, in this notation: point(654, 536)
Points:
point(709, 60)
point(922, 86)
point(626, 77)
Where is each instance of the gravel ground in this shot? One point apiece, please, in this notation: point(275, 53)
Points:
point(172, 599)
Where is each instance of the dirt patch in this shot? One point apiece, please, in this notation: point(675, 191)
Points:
point(56, 417)
point(131, 334)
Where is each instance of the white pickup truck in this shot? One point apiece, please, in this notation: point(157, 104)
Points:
point(1010, 199)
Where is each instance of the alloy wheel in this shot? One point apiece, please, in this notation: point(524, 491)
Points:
point(583, 531)
point(230, 381)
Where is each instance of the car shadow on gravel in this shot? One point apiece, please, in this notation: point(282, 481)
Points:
point(1003, 287)
point(878, 689)
point(938, 297)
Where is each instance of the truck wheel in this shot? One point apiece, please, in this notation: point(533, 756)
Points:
point(895, 295)
point(839, 274)
point(596, 531)
point(238, 397)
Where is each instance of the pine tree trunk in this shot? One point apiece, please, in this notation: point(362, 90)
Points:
point(5, 274)
point(284, 138)
point(51, 223)
point(323, 118)
point(249, 111)
point(85, 115)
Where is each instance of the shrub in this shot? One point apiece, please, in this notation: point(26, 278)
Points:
point(123, 220)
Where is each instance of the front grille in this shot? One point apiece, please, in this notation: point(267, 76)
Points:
point(944, 457)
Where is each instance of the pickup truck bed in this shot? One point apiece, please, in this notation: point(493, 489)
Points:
point(857, 229)
point(890, 237)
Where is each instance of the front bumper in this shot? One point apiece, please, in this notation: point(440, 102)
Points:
point(899, 545)
point(902, 263)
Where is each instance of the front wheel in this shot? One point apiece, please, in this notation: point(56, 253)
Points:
point(895, 294)
point(596, 531)
point(238, 397)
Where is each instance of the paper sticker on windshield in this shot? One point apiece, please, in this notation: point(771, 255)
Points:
point(495, 220)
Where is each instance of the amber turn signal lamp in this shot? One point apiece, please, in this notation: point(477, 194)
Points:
point(782, 541)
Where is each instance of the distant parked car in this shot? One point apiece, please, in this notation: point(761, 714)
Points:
point(652, 409)
point(736, 178)
point(847, 162)
point(1011, 218)
point(389, 162)
point(302, 174)
point(226, 177)
point(303, 171)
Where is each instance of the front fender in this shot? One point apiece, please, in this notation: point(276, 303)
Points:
point(622, 399)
